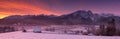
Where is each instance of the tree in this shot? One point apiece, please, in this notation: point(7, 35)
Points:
point(23, 29)
point(111, 28)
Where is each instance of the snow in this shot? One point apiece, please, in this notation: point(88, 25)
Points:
point(31, 35)
point(37, 29)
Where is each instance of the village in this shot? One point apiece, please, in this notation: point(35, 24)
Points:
point(91, 30)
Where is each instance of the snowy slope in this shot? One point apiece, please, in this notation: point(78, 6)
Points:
point(31, 35)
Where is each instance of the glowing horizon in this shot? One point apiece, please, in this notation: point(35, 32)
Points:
point(56, 7)
point(14, 8)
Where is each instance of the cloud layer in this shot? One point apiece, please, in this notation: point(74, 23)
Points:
point(21, 8)
point(57, 7)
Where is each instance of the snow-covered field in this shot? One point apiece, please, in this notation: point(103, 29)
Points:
point(31, 35)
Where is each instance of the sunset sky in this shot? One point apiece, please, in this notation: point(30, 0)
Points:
point(57, 7)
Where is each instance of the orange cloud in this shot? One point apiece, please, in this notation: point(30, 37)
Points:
point(13, 8)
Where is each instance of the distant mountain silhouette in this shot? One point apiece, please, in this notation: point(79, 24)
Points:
point(75, 18)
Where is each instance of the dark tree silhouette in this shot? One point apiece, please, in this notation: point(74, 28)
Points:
point(111, 28)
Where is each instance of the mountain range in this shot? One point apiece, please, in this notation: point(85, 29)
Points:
point(75, 18)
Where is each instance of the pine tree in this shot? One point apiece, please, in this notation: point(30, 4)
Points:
point(111, 28)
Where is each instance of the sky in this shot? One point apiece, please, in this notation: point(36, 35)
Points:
point(57, 7)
